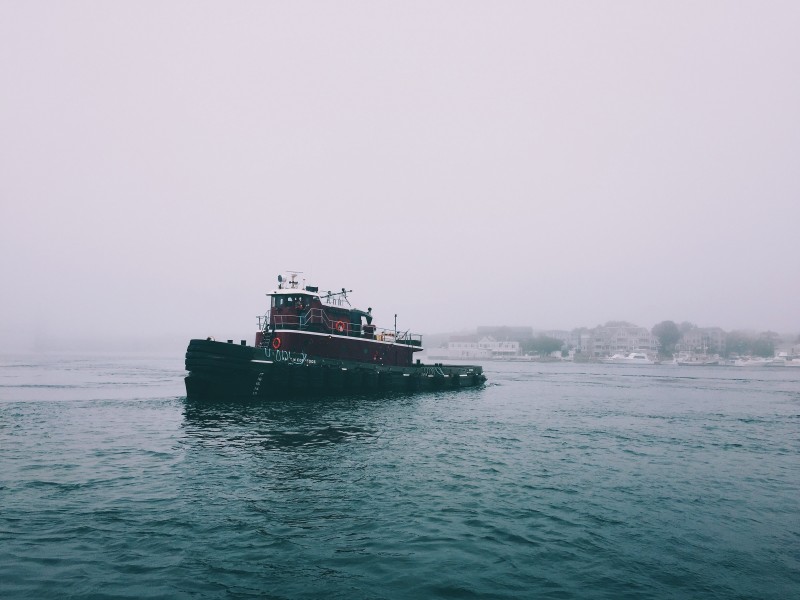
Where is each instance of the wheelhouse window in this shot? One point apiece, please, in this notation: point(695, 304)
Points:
point(292, 301)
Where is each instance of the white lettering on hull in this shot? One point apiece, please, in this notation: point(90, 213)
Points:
point(286, 356)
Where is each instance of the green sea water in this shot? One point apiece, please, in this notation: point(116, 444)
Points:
point(553, 481)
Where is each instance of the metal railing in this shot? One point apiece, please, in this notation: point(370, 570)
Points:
point(315, 318)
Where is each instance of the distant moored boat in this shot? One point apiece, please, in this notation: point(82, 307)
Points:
point(633, 358)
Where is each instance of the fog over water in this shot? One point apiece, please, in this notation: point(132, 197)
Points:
point(457, 163)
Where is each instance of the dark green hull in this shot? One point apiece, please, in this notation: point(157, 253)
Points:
point(219, 370)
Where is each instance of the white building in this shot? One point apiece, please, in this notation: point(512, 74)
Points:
point(622, 338)
point(486, 348)
point(466, 350)
point(702, 339)
point(499, 349)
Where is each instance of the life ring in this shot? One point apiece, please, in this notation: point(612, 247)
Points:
point(276, 343)
point(339, 326)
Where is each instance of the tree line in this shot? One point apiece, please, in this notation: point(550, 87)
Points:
point(669, 334)
point(541, 344)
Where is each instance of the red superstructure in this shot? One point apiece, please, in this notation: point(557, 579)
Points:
point(304, 321)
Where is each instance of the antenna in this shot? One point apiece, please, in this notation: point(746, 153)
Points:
point(330, 296)
point(293, 279)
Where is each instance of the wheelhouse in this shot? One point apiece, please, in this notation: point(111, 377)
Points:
point(304, 308)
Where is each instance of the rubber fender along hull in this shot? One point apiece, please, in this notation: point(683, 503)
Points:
point(220, 370)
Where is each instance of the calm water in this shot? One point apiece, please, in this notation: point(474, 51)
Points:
point(554, 481)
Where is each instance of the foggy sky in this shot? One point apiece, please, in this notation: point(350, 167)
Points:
point(458, 163)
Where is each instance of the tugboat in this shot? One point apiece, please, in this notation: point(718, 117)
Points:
point(312, 342)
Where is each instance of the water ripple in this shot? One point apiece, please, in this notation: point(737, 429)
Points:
point(555, 481)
